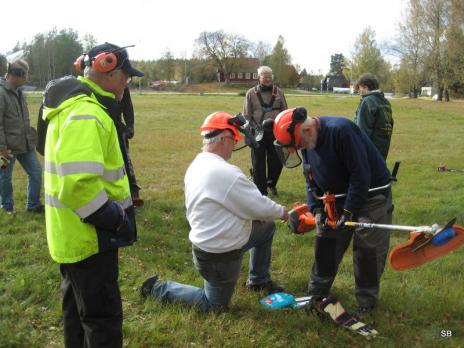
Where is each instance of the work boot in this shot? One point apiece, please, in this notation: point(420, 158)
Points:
point(365, 314)
point(40, 209)
point(145, 289)
point(269, 287)
point(138, 202)
point(9, 211)
point(273, 191)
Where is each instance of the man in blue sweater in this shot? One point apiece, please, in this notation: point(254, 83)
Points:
point(339, 158)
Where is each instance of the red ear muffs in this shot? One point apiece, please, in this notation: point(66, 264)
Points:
point(104, 62)
point(79, 64)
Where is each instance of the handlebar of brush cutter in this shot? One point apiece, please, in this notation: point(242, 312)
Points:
point(392, 178)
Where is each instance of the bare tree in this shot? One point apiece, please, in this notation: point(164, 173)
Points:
point(261, 50)
point(167, 65)
point(410, 46)
point(88, 41)
point(433, 33)
point(223, 48)
point(455, 48)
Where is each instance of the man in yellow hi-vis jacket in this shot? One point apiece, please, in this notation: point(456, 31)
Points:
point(88, 206)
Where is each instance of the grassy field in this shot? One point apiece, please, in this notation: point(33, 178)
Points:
point(415, 305)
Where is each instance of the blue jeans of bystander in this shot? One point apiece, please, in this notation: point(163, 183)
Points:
point(31, 165)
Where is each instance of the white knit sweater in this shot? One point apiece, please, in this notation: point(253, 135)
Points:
point(221, 204)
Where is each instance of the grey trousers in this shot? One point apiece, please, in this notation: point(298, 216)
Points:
point(370, 249)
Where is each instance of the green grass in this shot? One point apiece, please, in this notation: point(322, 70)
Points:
point(415, 305)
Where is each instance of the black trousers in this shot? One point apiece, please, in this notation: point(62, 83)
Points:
point(124, 145)
point(92, 308)
point(261, 156)
point(370, 249)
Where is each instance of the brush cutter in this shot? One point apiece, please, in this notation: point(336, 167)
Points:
point(425, 244)
point(444, 168)
point(301, 220)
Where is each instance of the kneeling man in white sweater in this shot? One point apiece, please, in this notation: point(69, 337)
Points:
point(228, 215)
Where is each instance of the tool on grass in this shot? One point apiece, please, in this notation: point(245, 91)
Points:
point(442, 167)
point(425, 244)
point(328, 308)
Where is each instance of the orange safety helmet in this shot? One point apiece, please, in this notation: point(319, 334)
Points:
point(286, 127)
point(220, 120)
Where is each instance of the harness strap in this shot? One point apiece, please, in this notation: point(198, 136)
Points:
point(266, 106)
point(309, 175)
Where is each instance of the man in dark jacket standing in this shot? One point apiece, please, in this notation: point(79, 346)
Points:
point(374, 113)
point(339, 158)
point(18, 139)
point(262, 102)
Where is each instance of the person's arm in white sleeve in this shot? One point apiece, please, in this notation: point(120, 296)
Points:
point(245, 201)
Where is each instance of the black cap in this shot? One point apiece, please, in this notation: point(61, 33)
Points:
point(121, 54)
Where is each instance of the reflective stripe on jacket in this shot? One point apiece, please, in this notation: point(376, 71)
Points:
point(84, 169)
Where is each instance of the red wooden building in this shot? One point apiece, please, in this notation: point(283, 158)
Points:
point(244, 72)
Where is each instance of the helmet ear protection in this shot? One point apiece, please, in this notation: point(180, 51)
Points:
point(103, 62)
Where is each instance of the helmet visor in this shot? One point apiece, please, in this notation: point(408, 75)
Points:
point(241, 124)
point(288, 155)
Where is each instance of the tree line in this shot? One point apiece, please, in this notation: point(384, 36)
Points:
point(429, 48)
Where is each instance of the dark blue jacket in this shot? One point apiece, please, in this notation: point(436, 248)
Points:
point(344, 161)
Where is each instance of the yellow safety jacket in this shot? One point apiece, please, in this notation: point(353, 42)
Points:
point(84, 169)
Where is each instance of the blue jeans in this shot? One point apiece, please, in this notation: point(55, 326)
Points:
point(220, 275)
point(31, 165)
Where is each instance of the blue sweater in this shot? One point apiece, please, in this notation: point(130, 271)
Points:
point(344, 161)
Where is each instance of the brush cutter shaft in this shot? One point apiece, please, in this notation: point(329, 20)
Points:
point(423, 229)
point(340, 195)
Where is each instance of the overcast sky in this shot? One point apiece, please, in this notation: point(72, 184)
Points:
point(313, 30)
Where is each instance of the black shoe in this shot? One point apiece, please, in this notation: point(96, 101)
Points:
point(363, 313)
point(40, 209)
point(273, 191)
point(145, 289)
point(9, 211)
point(269, 287)
point(138, 202)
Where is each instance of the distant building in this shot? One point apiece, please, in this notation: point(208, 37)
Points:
point(426, 91)
point(245, 71)
point(158, 85)
point(330, 81)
